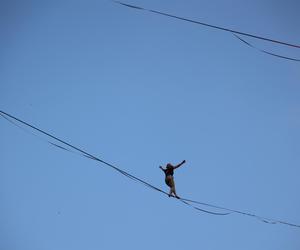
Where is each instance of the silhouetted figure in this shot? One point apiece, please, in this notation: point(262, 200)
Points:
point(169, 172)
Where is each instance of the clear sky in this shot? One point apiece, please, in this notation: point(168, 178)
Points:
point(141, 90)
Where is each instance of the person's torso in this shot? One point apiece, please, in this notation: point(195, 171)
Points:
point(169, 171)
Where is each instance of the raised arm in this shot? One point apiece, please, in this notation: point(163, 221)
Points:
point(178, 165)
point(162, 168)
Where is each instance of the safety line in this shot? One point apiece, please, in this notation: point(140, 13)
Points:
point(183, 200)
point(264, 51)
point(40, 138)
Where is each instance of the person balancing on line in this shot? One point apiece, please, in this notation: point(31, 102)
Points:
point(169, 172)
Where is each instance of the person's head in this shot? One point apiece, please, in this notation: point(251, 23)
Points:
point(169, 165)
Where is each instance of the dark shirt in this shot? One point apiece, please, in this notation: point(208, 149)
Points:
point(169, 171)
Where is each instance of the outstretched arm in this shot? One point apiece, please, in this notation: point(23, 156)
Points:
point(161, 168)
point(178, 165)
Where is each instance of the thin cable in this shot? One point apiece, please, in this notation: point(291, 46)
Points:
point(263, 219)
point(264, 51)
point(40, 138)
point(183, 200)
point(209, 25)
point(200, 209)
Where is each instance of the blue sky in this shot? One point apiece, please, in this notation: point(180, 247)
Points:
point(139, 91)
